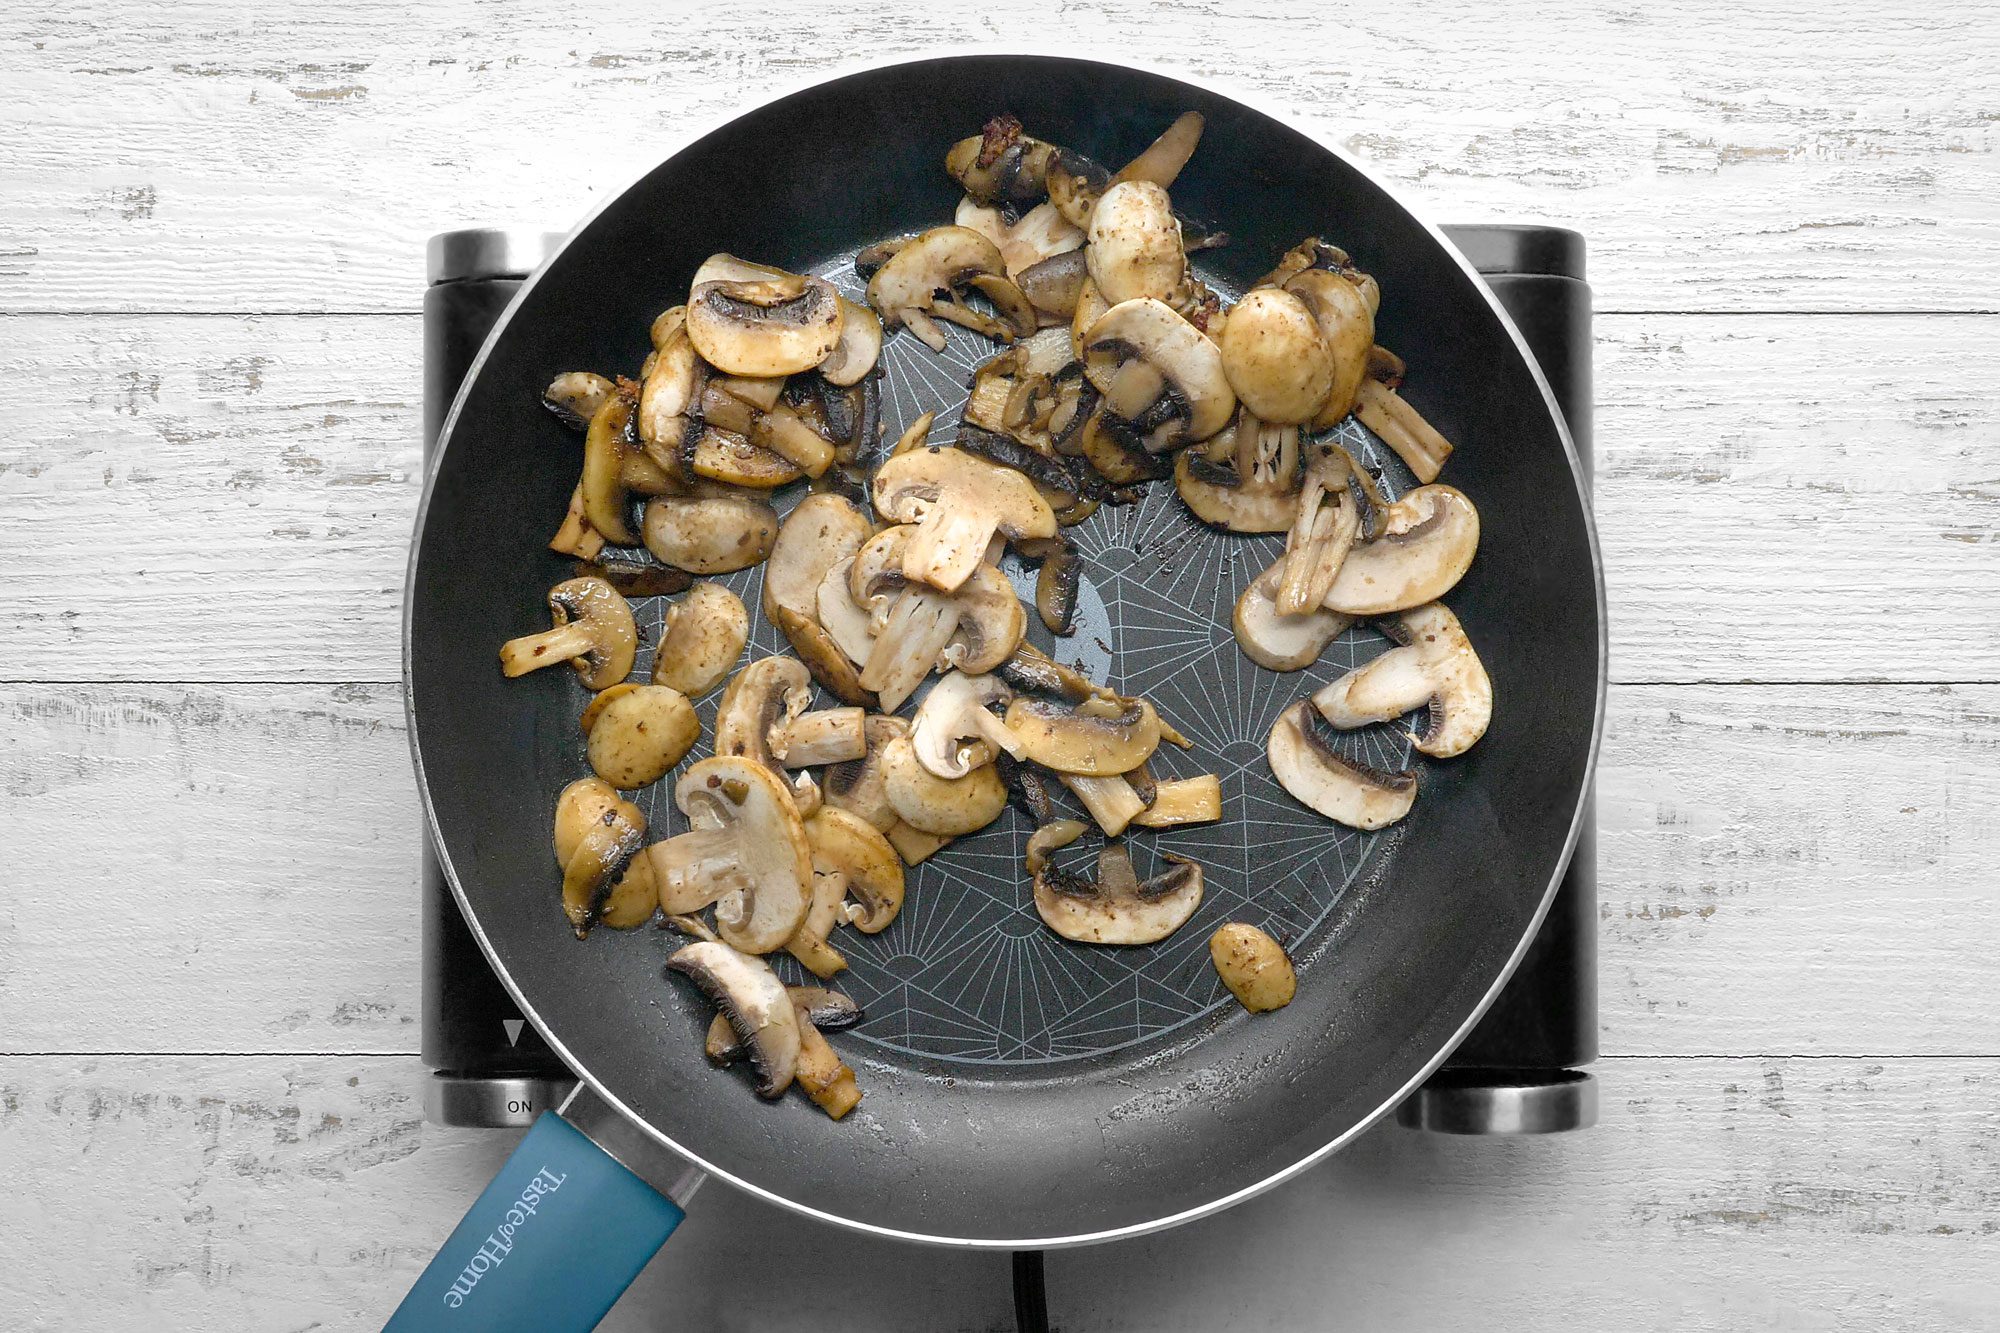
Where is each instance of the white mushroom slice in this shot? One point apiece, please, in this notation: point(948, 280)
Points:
point(1254, 966)
point(590, 811)
point(575, 397)
point(931, 804)
point(1275, 357)
point(666, 324)
point(957, 501)
point(1097, 738)
point(1322, 533)
point(990, 623)
point(640, 735)
point(829, 664)
point(1039, 234)
point(1435, 669)
point(846, 846)
point(593, 632)
point(763, 702)
point(1246, 481)
point(857, 786)
point(1340, 788)
point(1135, 244)
point(1111, 801)
point(1402, 428)
point(916, 626)
point(1090, 307)
point(1183, 801)
point(825, 736)
point(745, 837)
point(919, 624)
point(756, 1004)
point(576, 537)
point(954, 732)
point(1117, 907)
point(860, 346)
point(704, 635)
point(844, 620)
point(1340, 307)
point(764, 326)
point(1425, 544)
point(1279, 642)
point(709, 534)
point(809, 943)
point(668, 392)
point(1194, 400)
point(817, 535)
point(905, 290)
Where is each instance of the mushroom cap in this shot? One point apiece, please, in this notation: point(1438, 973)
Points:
point(1254, 966)
point(1097, 739)
point(704, 635)
point(1424, 545)
point(946, 735)
point(941, 259)
point(1346, 322)
point(931, 804)
point(766, 325)
point(990, 622)
point(738, 796)
point(1184, 357)
point(1435, 669)
point(857, 785)
point(822, 531)
point(641, 735)
point(845, 844)
point(1135, 244)
point(593, 603)
point(1277, 361)
point(1279, 642)
point(859, 348)
point(709, 534)
point(1329, 782)
point(1117, 907)
point(914, 485)
point(755, 1002)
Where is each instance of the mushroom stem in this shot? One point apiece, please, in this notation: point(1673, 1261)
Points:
point(948, 545)
point(1402, 428)
point(820, 1072)
point(1184, 801)
point(808, 943)
point(827, 736)
point(576, 537)
point(1321, 536)
point(532, 652)
point(1111, 801)
point(783, 432)
point(912, 844)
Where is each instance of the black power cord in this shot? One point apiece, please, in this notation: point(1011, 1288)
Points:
point(1031, 1295)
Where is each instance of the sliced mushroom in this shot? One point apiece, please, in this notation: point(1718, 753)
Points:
point(1050, 838)
point(1057, 582)
point(710, 533)
point(821, 532)
point(1323, 530)
point(763, 326)
point(958, 502)
point(1435, 669)
point(990, 623)
point(1275, 357)
point(669, 392)
point(822, 1075)
point(1424, 545)
point(1163, 159)
point(1135, 244)
point(575, 397)
point(1342, 789)
point(823, 736)
point(1039, 234)
point(859, 348)
point(955, 731)
point(1097, 738)
point(1055, 285)
point(1159, 372)
point(1402, 428)
point(745, 851)
point(1090, 307)
point(930, 804)
point(827, 1010)
point(1280, 642)
point(592, 817)
point(1001, 162)
point(635, 580)
point(1112, 801)
point(1341, 309)
point(641, 735)
point(1117, 907)
point(704, 635)
point(1076, 184)
point(824, 658)
point(763, 701)
point(1254, 966)
point(905, 291)
point(576, 537)
point(755, 1002)
point(847, 847)
point(857, 787)
point(809, 943)
point(725, 456)
point(914, 845)
point(1183, 801)
point(973, 629)
point(603, 487)
point(593, 632)
point(846, 622)
point(1247, 482)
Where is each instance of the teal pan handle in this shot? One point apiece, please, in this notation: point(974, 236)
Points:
point(548, 1246)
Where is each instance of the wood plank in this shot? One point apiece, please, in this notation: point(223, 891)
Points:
point(301, 1192)
point(1782, 870)
point(297, 159)
point(1773, 489)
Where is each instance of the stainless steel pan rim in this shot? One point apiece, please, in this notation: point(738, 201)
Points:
point(1254, 102)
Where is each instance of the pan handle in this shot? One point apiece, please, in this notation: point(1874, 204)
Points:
point(556, 1238)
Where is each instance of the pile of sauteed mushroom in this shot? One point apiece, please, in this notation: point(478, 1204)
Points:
point(1115, 368)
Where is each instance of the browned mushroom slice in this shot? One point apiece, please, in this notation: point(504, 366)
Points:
point(827, 1010)
point(1135, 244)
point(1112, 801)
point(745, 851)
point(575, 397)
point(853, 852)
point(593, 819)
point(817, 535)
point(1159, 372)
point(1118, 907)
point(809, 943)
point(704, 635)
point(1280, 642)
point(1040, 234)
point(1434, 669)
point(720, 455)
point(824, 658)
point(1001, 162)
point(1248, 482)
point(1327, 520)
point(576, 537)
point(764, 326)
point(1254, 966)
point(1340, 307)
point(1424, 545)
point(1342, 789)
point(1096, 738)
point(755, 1002)
point(593, 632)
point(603, 487)
point(642, 734)
point(957, 502)
point(821, 1075)
point(1276, 358)
point(954, 731)
point(710, 533)
point(633, 580)
point(1181, 801)
point(906, 290)
point(947, 806)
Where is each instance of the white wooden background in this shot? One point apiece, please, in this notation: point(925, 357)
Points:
point(211, 227)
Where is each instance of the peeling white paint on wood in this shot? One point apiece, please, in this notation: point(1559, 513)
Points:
point(1781, 497)
point(1765, 155)
point(305, 1192)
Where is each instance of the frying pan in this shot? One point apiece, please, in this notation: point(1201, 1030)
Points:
point(1021, 1091)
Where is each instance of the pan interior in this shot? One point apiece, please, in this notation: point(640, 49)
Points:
point(968, 973)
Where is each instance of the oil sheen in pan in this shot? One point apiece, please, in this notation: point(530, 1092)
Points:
point(968, 973)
